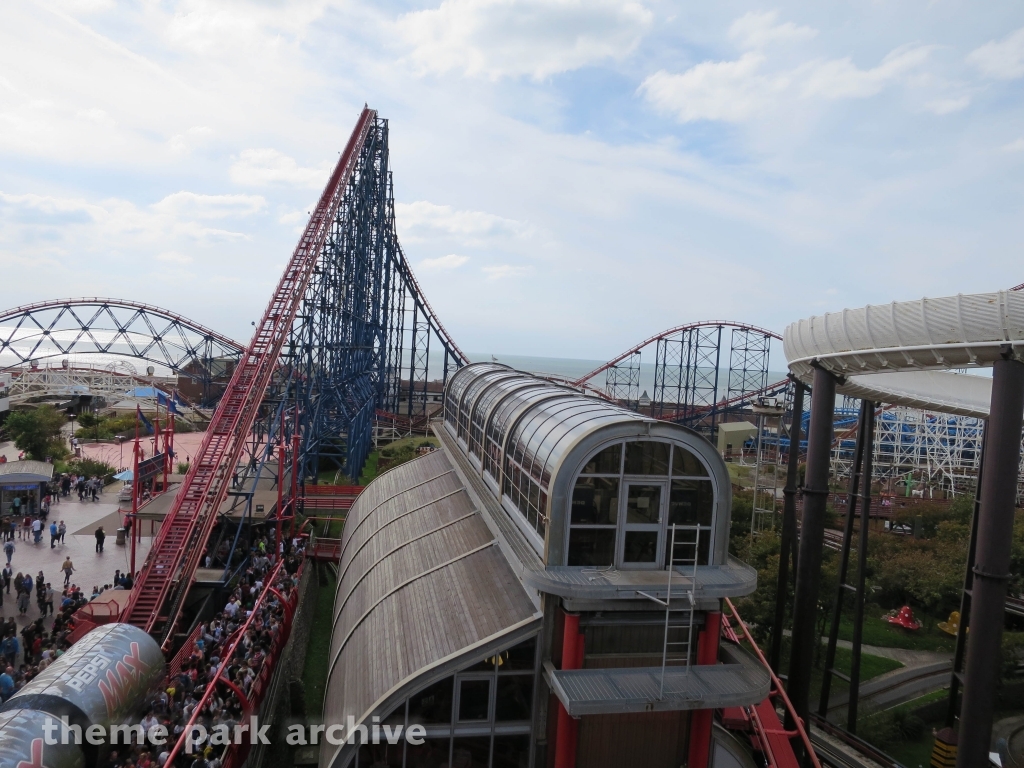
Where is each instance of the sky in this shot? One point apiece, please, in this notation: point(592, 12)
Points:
point(571, 176)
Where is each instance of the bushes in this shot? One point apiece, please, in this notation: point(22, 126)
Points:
point(87, 467)
point(37, 432)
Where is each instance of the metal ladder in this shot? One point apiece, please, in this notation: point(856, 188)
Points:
point(678, 638)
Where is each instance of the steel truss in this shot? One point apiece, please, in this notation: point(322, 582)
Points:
point(362, 340)
point(940, 452)
point(115, 327)
point(690, 385)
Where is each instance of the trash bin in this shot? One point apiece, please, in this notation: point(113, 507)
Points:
point(120, 537)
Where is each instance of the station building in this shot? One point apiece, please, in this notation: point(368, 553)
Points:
point(509, 591)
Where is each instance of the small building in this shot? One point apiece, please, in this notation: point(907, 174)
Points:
point(26, 481)
point(507, 592)
point(732, 435)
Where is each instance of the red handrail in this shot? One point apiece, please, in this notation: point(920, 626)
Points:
point(256, 689)
point(777, 690)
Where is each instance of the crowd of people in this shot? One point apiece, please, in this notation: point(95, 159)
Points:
point(174, 705)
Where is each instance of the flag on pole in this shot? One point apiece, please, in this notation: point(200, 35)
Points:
point(145, 422)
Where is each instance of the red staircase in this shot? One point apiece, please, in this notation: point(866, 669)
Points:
point(159, 592)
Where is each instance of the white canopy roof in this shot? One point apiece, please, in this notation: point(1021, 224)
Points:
point(901, 353)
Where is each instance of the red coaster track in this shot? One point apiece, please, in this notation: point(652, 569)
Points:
point(158, 596)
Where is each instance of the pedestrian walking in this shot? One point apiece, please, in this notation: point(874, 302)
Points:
point(37, 530)
point(61, 530)
point(48, 598)
point(53, 535)
point(9, 551)
point(100, 536)
point(23, 603)
point(68, 567)
point(7, 574)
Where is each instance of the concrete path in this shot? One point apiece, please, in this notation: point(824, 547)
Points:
point(91, 567)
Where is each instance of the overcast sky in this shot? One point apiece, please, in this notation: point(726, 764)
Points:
point(570, 176)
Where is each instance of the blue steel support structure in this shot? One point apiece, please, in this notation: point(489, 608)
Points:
point(361, 341)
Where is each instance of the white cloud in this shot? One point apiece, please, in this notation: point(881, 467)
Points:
point(842, 79)
point(451, 261)
point(502, 271)
point(259, 167)
point(1014, 146)
point(1001, 60)
point(714, 90)
point(183, 143)
point(443, 218)
point(948, 105)
point(756, 30)
point(510, 38)
point(190, 204)
point(173, 257)
point(735, 91)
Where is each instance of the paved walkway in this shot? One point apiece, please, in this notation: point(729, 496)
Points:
point(91, 567)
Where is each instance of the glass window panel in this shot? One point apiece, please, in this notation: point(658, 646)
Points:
point(684, 548)
point(605, 462)
point(643, 504)
point(591, 546)
point(381, 755)
point(514, 698)
point(641, 547)
point(647, 458)
point(471, 752)
point(432, 753)
point(685, 464)
point(397, 717)
point(691, 502)
point(474, 697)
point(511, 752)
point(595, 501)
point(433, 705)
point(519, 657)
point(484, 665)
point(542, 526)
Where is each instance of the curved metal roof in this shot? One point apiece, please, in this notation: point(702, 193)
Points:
point(421, 586)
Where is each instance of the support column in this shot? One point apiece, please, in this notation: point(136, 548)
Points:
point(788, 543)
point(992, 562)
point(701, 719)
point(812, 533)
point(568, 727)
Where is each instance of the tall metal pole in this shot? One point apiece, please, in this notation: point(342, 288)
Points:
point(280, 499)
point(992, 569)
point(965, 593)
point(812, 533)
point(788, 543)
point(844, 558)
point(862, 564)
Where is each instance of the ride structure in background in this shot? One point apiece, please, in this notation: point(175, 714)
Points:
point(701, 370)
point(89, 326)
point(330, 350)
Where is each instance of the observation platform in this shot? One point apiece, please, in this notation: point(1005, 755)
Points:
point(612, 691)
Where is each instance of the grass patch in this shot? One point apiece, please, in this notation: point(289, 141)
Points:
point(318, 652)
point(369, 468)
point(870, 665)
point(881, 633)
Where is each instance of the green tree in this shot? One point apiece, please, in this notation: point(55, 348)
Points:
point(37, 432)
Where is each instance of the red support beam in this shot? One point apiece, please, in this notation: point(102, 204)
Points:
point(568, 727)
point(701, 719)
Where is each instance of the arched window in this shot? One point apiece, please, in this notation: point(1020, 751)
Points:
point(628, 497)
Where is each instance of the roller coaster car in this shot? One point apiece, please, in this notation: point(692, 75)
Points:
point(952, 625)
point(903, 618)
